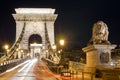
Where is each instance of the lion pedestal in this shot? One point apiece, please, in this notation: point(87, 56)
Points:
point(97, 56)
point(98, 50)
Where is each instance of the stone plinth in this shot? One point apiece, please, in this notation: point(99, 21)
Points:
point(97, 55)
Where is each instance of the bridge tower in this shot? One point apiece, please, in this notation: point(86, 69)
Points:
point(31, 21)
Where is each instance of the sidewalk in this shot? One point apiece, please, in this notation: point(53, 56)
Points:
point(66, 74)
point(78, 76)
point(86, 77)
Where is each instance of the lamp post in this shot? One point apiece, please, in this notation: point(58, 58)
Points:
point(54, 48)
point(6, 48)
point(62, 42)
point(22, 53)
point(61, 55)
point(18, 53)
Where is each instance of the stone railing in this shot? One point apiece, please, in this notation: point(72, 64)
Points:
point(76, 65)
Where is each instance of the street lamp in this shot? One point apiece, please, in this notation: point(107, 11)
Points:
point(62, 42)
point(21, 51)
point(54, 47)
point(6, 48)
point(61, 55)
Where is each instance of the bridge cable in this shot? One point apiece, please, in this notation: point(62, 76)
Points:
point(15, 45)
point(47, 40)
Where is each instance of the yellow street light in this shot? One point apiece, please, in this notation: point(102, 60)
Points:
point(21, 51)
point(59, 51)
point(8, 50)
point(62, 42)
point(54, 47)
point(6, 47)
point(17, 49)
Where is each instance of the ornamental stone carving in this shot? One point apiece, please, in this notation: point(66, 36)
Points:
point(99, 33)
point(34, 17)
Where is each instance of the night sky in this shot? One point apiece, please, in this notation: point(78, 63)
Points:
point(74, 22)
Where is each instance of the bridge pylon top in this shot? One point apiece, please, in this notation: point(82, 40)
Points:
point(35, 10)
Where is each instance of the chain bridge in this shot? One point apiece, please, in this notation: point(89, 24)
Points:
point(30, 21)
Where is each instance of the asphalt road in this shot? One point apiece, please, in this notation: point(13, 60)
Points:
point(30, 70)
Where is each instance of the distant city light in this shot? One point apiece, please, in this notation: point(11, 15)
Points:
point(112, 63)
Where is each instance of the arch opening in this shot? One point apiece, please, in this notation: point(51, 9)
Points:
point(35, 45)
point(35, 38)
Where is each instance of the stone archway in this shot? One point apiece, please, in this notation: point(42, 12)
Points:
point(35, 38)
point(34, 20)
point(35, 46)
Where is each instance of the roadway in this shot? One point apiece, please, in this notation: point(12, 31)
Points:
point(34, 70)
point(30, 70)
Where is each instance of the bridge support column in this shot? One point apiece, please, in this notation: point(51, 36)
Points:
point(15, 55)
point(19, 54)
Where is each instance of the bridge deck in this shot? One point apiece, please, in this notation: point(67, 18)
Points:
point(30, 70)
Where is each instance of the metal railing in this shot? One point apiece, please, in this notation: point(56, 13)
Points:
point(10, 64)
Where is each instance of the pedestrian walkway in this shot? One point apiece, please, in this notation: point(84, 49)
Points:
point(86, 77)
point(68, 75)
point(79, 76)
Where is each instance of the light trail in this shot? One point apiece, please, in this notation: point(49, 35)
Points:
point(28, 64)
point(17, 66)
point(45, 70)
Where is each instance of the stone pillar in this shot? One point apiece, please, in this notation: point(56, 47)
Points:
point(97, 55)
point(32, 52)
point(15, 55)
point(19, 54)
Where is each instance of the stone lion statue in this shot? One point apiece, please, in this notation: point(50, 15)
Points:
point(99, 33)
